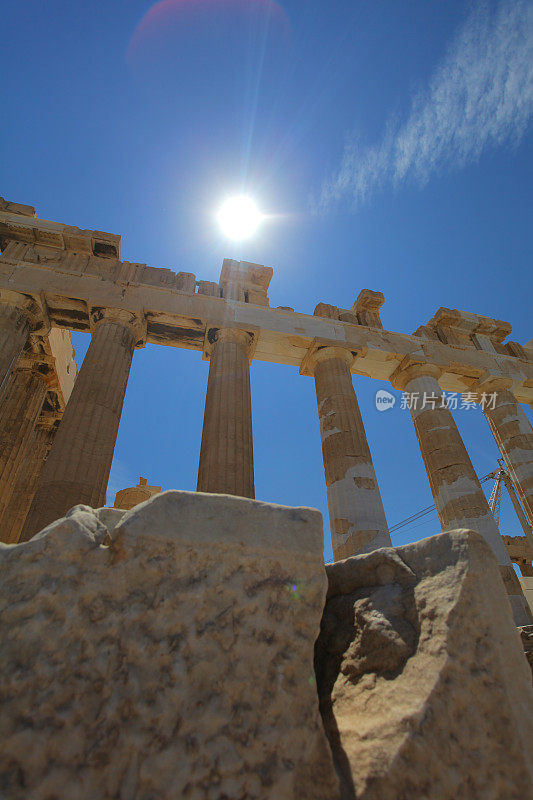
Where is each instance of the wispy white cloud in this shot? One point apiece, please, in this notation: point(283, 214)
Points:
point(481, 96)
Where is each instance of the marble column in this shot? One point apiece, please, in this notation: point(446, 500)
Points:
point(20, 407)
point(77, 468)
point(16, 312)
point(226, 454)
point(514, 436)
point(356, 514)
point(458, 496)
point(26, 479)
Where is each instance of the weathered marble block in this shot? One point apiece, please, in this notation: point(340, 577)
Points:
point(424, 688)
point(170, 659)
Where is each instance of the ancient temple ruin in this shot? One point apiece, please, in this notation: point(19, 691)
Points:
point(194, 644)
point(56, 278)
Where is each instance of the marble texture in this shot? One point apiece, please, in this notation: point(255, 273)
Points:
point(424, 688)
point(170, 658)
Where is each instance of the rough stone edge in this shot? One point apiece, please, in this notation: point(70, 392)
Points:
point(79, 529)
point(262, 521)
point(106, 525)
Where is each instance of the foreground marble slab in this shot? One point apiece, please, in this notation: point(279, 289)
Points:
point(172, 658)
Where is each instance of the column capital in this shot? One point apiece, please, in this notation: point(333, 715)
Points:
point(323, 351)
point(30, 360)
point(29, 307)
point(411, 368)
point(39, 364)
point(245, 339)
point(135, 322)
point(490, 383)
point(48, 420)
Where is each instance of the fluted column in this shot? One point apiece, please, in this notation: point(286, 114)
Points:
point(77, 468)
point(455, 487)
point(356, 514)
point(20, 407)
point(514, 436)
point(15, 514)
point(16, 313)
point(226, 454)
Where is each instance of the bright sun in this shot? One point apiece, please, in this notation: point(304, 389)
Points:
point(239, 218)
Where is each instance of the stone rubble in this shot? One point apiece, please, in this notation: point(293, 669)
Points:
point(424, 689)
point(167, 652)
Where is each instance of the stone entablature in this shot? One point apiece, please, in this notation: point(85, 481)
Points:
point(463, 329)
point(68, 280)
point(19, 224)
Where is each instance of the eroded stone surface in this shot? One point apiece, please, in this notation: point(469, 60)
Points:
point(424, 688)
point(78, 465)
point(455, 486)
point(174, 662)
point(356, 515)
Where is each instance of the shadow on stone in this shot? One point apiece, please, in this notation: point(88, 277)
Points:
point(373, 629)
point(423, 686)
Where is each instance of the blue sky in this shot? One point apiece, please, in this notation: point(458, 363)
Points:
point(391, 143)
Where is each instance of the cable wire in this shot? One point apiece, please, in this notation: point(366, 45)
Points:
point(424, 512)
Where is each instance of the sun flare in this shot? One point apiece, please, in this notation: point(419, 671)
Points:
point(239, 218)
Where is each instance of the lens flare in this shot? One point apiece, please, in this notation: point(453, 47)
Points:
point(239, 218)
point(177, 17)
